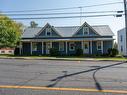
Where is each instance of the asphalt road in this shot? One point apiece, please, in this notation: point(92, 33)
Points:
point(50, 77)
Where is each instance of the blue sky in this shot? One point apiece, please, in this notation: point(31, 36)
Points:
point(114, 23)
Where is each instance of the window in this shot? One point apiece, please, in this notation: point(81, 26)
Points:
point(10, 51)
point(99, 45)
point(85, 30)
point(71, 46)
point(34, 46)
point(48, 31)
point(86, 46)
point(121, 38)
point(61, 46)
point(2, 51)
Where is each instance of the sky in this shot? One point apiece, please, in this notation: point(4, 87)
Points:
point(115, 23)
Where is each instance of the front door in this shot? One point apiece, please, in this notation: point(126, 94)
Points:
point(48, 46)
point(86, 47)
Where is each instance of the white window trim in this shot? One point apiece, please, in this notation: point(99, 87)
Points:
point(84, 30)
point(70, 46)
point(98, 45)
point(61, 46)
point(47, 30)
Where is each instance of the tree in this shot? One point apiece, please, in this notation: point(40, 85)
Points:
point(33, 24)
point(10, 32)
point(115, 45)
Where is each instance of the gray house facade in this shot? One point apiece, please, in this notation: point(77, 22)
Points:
point(91, 39)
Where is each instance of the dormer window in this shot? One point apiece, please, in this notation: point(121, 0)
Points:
point(85, 30)
point(48, 31)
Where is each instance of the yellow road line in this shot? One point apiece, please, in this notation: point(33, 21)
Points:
point(63, 89)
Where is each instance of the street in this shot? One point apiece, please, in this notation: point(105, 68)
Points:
point(52, 77)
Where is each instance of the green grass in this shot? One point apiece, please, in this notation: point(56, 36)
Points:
point(67, 57)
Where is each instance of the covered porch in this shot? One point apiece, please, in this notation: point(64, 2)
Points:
point(65, 47)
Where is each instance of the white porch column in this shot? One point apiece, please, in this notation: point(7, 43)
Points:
point(102, 47)
point(66, 47)
point(20, 48)
point(50, 44)
point(91, 47)
point(82, 46)
point(31, 48)
point(42, 47)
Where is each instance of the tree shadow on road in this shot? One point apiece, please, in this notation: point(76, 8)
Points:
point(97, 84)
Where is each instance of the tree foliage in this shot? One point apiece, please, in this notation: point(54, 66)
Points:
point(33, 24)
point(10, 32)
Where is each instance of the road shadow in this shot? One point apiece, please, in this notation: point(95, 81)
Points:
point(97, 84)
point(55, 81)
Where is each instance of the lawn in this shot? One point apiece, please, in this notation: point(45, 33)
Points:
point(67, 57)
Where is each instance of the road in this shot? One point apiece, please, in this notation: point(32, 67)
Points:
point(51, 77)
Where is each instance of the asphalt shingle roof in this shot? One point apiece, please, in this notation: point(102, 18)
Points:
point(68, 31)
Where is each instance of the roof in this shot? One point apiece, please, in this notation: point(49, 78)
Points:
point(121, 30)
point(103, 30)
point(68, 31)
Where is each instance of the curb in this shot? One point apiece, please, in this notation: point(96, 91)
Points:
point(61, 59)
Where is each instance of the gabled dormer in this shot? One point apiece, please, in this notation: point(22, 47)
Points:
point(85, 30)
point(48, 31)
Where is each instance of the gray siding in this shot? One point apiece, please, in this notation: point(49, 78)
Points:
point(107, 45)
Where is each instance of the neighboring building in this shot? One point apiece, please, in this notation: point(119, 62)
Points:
point(6, 50)
point(91, 39)
point(122, 41)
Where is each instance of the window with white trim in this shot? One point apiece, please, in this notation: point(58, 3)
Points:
point(85, 30)
point(61, 46)
point(48, 31)
point(71, 46)
point(34, 46)
point(99, 45)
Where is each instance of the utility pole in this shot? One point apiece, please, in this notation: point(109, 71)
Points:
point(125, 11)
point(80, 15)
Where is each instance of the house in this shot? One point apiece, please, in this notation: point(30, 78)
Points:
point(91, 39)
point(6, 50)
point(121, 36)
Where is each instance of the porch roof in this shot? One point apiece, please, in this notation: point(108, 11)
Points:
point(72, 39)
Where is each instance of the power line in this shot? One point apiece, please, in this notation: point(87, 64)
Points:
point(64, 17)
point(62, 13)
point(66, 8)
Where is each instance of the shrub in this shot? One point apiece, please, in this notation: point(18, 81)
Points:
point(17, 51)
point(79, 52)
point(54, 52)
point(112, 52)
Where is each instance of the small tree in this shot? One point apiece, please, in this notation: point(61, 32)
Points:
point(33, 24)
point(112, 52)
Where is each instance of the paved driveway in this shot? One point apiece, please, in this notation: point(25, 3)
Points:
point(50, 77)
